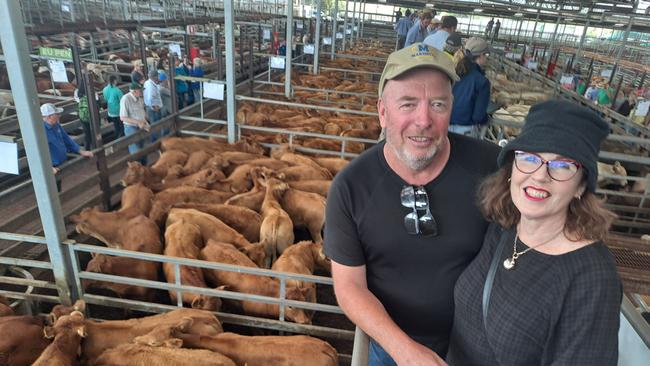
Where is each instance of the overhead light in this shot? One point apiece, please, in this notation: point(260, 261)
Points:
point(430, 5)
point(568, 19)
point(619, 24)
point(478, 10)
point(519, 14)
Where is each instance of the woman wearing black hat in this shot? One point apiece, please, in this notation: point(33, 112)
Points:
point(544, 289)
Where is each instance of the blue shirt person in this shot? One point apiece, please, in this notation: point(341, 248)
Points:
point(419, 31)
point(58, 141)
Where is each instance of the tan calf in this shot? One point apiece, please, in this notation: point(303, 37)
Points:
point(164, 200)
point(137, 173)
point(22, 340)
point(334, 165)
point(139, 354)
point(304, 172)
point(306, 209)
point(251, 284)
point(303, 258)
point(196, 161)
point(314, 186)
point(109, 334)
point(126, 267)
point(201, 179)
point(246, 221)
point(5, 309)
point(183, 240)
point(276, 232)
point(167, 160)
point(67, 334)
point(139, 233)
point(297, 350)
point(136, 200)
point(214, 229)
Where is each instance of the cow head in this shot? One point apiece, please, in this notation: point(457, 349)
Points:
point(60, 310)
point(296, 315)
point(204, 302)
point(257, 253)
point(207, 177)
point(135, 173)
point(67, 323)
point(160, 336)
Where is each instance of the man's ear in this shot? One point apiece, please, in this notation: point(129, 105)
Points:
point(381, 110)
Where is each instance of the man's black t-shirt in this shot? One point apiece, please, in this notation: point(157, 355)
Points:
point(413, 276)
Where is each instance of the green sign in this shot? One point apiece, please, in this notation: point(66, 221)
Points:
point(60, 53)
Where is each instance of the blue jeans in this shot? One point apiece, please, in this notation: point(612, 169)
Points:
point(378, 357)
point(154, 117)
point(133, 148)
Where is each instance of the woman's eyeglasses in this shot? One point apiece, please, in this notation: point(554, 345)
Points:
point(559, 169)
point(415, 223)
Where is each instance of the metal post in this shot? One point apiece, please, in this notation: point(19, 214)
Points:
point(220, 65)
point(172, 82)
point(363, 18)
point(360, 348)
point(289, 48)
point(93, 47)
point(98, 143)
point(143, 53)
point(534, 27)
point(214, 46)
point(317, 36)
point(251, 74)
point(582, 42)
point(242, 31)
point(186, 42)
point(619, 54)
point(76, 60)
point(334, 26)
point(550, 48)
point(345, 26)
point(229, 16)
point(19, 69)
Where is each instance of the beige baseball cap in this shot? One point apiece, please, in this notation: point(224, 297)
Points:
point(416, 55)
point(477, 46)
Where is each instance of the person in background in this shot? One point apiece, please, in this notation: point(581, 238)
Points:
point(437, 40)
point(606, 95)
point(544, 289)
point(402, 217)
point(472, 91)
point(153, 100)
point(58, 141)
point(112, 95)
point(165, 93)
point(581, 86)
point(181, 85)
point(402, 28)
point(453, 44)
point(195, 51)
point(497, 27)
point(488, 28)
point(628, 104)
point(134, 116)
point(188, 68)
point(419, 31)
point(407, 12)
point(137, 75)
point(84, 117)
point(398, 15)
point(197, 71)
point(434, 26)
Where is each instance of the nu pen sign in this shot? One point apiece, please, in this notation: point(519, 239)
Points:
point(60, 53)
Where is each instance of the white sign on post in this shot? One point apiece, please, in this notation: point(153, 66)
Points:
point(277, 62)
point(339, 35)
point(642, 108)
point(348, 31)
point(327, 40)
point(266, 34)
point(309, 49)
point(356, 28)
point(213, 90)
point(299, 24)
point(606, 73)
point(175, 48)
point(532, 65)
point(9, 161)
point(59, 74)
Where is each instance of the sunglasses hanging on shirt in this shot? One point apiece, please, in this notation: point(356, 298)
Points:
point(420, 221)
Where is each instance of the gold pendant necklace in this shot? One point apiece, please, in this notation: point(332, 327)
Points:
point(509, 263)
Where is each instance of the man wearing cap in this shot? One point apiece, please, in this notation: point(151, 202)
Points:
point(401, 220)
point(453, 44)
point(418, 31)
point(152, 100)
point(437, 39)
point(165, 93)
point(472, 91)
point(133, 115)
point(58, 141)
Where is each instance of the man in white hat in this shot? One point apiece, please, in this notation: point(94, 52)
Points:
point(58, 141)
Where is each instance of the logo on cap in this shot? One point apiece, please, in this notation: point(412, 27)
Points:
point(421, 50)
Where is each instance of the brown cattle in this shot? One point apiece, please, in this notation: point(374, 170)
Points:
point(238, 156)
point(109, 334)
point(183, 240)
point(303, 258)
point(139, 233)
point(199, 159)
point(214, 229)
point(125, 267)
point(306, 209)
point(297, 350)
point(136, 200)
point(304, 172)
point(5, 309)
point(190, 145)
point(251, 284)
point(238, 181)
point(167, 160)
point(246, 221)
point(321, 187)
point(276, 232)
point(334, 165)
point(137, 173)
point(61, 310)
point(201, 179)
point(253, 198)
point(22, 340)
point(67, 334)
point(140, 354)
point(269, 163)
point(164, 200)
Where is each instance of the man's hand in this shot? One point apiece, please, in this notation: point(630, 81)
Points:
point(86, 153)
point(55, 170)
point(419, 355)
point(144, 125)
